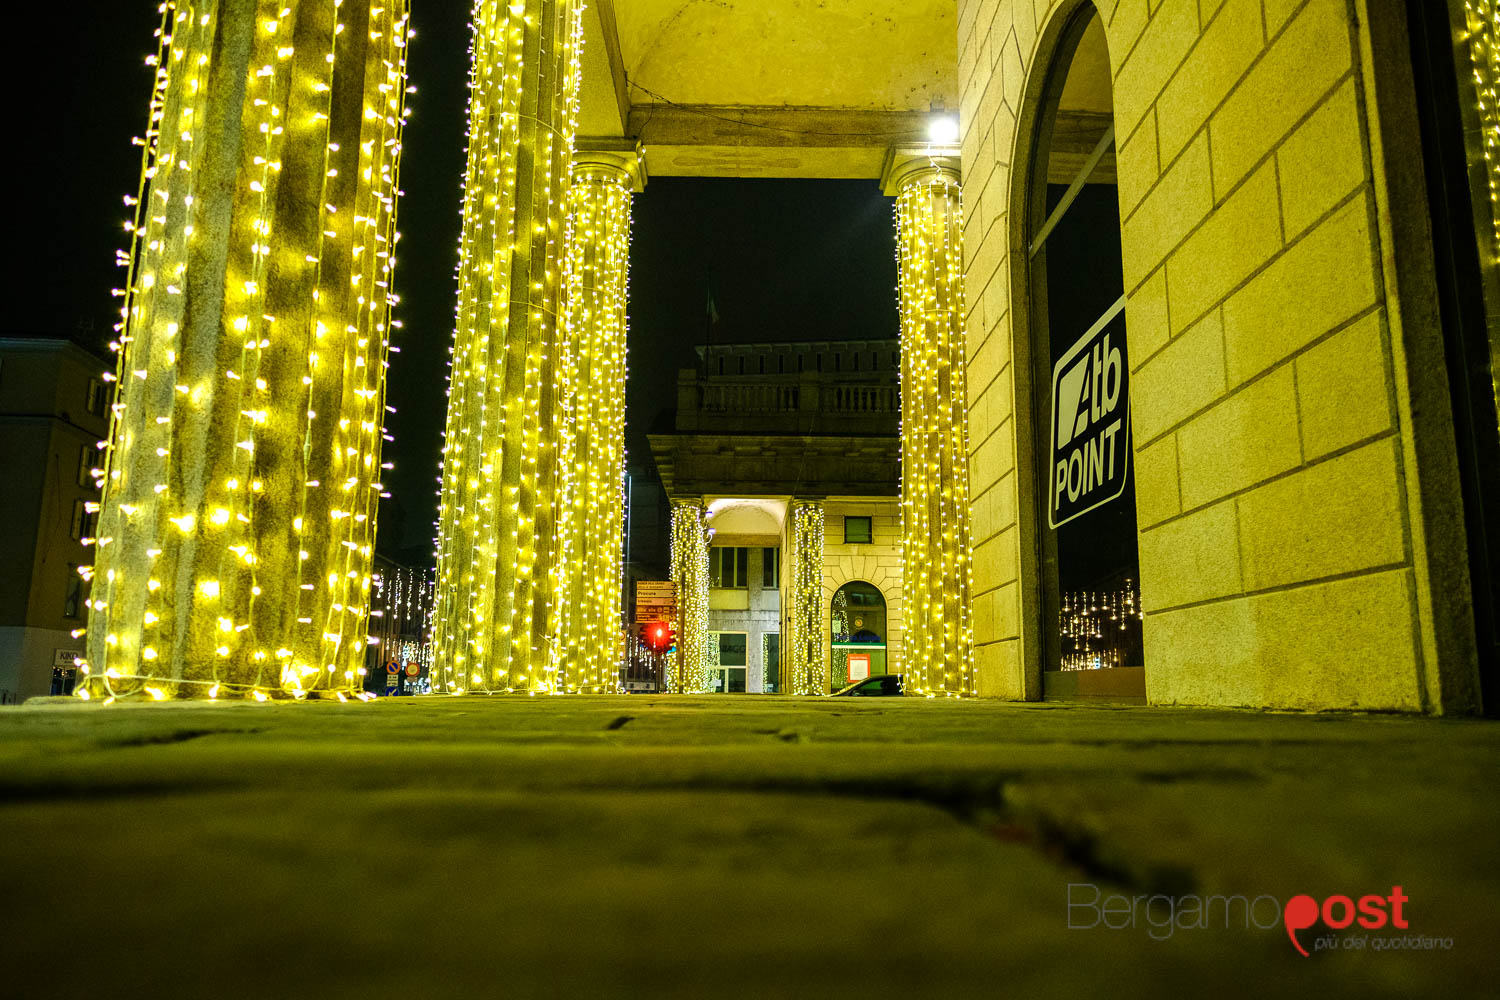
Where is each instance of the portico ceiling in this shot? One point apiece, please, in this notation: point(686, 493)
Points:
point(767, 88)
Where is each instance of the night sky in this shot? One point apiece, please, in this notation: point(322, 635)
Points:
point(788, 260)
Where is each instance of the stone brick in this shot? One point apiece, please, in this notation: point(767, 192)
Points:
point(1321, 162)
point(1194, 558)
point(1186, 376)
point(1146, 322)
point(1162, 47)
point(1124, 30)
point(1295, 72)
point(1342, 644)
point(1320, 282)
point(1336, 517)
point(1156, 492)
point(1237, 239)
point(1277, 12)
point(1182, 198)
point(1343, 389)
point(1227, 47)
point(985, 464)
point(1326, 645)
point(1008, 611)
point(1136, 166)
point(1246, 439)
point(997, 674)
point(987, 565)
point(1202, 656)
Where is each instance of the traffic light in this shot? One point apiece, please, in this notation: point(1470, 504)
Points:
point(657, 636)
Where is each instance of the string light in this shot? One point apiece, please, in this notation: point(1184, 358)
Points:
point(497, 511)
point(806, 665)
point(1483, 20)
point(687, 669)
point(588, 644)
point(1099, 628)
point(242, 468)
point(938, 642)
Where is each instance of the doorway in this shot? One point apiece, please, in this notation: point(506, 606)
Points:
point(1080, 370)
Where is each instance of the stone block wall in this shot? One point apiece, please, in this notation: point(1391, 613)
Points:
point(1285, 559)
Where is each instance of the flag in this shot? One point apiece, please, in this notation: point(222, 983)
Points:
point(713, 310)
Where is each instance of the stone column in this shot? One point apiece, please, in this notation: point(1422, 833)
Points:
point(805, 649)
point(496, 515)
point(588, 643)
point(686, 669)
point(241, 477)
point(938, 640)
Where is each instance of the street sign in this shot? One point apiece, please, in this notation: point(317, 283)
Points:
point(1090, 421)
point(413, 669)
point(655, 601)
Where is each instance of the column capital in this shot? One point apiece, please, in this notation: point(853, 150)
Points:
point(906, 165)
point(624, 156)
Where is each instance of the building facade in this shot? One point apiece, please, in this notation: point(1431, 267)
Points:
point(53, 414)
point(1304, 296)
point(761, 431)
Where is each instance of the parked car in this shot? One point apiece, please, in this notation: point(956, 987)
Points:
point(879, 686)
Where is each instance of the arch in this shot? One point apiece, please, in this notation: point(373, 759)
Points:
point(1070, 72)
point(858, 633)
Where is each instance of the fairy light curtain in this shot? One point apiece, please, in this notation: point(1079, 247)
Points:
point(243, 465)
point(938, 642)
point(687, 669)
point(497, 514)
point(588, 640)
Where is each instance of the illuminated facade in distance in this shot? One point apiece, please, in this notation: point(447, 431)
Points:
point(498, 511)
point(244, 461)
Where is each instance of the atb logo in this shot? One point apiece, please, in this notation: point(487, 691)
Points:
point(1090, 422)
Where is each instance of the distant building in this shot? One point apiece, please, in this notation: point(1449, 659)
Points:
point(54, 406)
point(765, 425)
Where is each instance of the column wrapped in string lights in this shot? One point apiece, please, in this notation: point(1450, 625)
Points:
point(588, 643)
point(242, 470)
point(805, 656)
point(496, 517)
point(938, 642)
point(687, 669)
point(1482, 19)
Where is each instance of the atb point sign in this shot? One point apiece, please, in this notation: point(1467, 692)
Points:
point(1090, 422)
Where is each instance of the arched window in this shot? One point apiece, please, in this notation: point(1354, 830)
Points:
point(857, 640)
point(1080, 367)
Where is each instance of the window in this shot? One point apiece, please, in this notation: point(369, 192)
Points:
point(86, 465)
point(857, 531)
point(742, 366)
point(98, 398)
point(729, 568)
point(73, 601)
point(771, 661)
point(729, 674)
point(83, 521)
point(770, 568)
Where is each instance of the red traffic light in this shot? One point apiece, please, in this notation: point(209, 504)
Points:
point(657, 636)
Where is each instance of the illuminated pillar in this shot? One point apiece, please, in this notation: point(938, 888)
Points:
point(242, 472)
point(938, 641)
point(687, 668)
point(588, 643)
point(805, 650)
point(496, 516)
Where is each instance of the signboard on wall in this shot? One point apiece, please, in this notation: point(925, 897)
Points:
point(1090, 421)
point(655, 601)
point(859, 666)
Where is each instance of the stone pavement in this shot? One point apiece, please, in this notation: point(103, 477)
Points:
point(752, 846)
